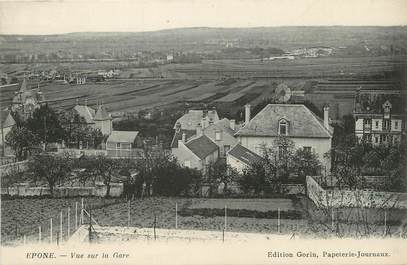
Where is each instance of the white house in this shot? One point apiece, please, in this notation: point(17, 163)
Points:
point(294, 121)
point(380, 124)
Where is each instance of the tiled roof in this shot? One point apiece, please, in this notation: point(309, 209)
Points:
point(178, 136)
point(245, 155)
point(202, 146)
point(6, 120)
point(101, 114)
point(191, 119)
point(122, 136)
point(86, 112)
point(301, 122)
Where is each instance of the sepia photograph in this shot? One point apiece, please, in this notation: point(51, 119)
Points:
point(203, 132)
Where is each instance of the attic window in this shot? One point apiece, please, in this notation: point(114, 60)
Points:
point(283, 127)
point(218, 136)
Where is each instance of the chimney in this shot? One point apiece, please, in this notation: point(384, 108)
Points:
point(178, 127)
point(233, 125)
point(247, 113)
point(326, 116)
point(199, 130)
point(203, 123)
point(184, 138)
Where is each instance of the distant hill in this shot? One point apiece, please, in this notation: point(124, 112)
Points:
point(208, 39)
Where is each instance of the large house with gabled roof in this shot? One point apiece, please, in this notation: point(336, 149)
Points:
point(198, 152)
point(294, 121)
point(97, 119)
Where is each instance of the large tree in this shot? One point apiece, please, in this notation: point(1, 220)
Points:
point(52, 169)
point(21, 140)
point(105, 168)
point(45, 123)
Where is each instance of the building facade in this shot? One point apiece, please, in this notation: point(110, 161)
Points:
point(380, 118)
point(294, 121)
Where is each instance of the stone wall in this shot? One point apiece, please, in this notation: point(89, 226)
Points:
point(24, 190)
point(16, 167)
point(354, 198)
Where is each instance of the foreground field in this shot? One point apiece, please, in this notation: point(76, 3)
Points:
point(24, 217)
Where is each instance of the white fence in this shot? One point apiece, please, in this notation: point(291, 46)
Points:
point(24, 190)
point(354, 198)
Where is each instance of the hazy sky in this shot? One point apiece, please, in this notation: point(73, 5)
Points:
point(49, 17)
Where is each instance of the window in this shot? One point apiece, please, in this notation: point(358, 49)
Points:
point(386, 125)
point(307, 149)
point(117, 145)
point(377, 124)
point(283, 127)
point(396, 125)
point(187, 163)
point(218, 136)
point(376, 139)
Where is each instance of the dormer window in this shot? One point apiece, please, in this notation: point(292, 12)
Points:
point(218, 135)
point(283, 127)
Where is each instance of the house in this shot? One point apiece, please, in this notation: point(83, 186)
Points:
point(380, 118)
point(25, 101)
point(222, 134)
point(124, 144)
point(239, 158)
point(99, 119)
point(294, 121)
point(6, 122)
point(197, 152)
point(193, 118)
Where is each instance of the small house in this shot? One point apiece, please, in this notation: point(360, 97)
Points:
point(124, 144)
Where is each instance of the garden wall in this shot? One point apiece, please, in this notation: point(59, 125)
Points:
point(24, 190)
point(16, 167)
point(354, 198)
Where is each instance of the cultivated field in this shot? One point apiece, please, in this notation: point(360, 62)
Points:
point(212, 81)
point(24, 216)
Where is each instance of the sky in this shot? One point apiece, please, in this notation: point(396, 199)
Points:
point(63, 16)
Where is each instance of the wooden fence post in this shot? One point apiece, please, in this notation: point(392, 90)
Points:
point(50, 232)
point(82, 221)
point(39, 234)
point(176, 216)
point(76, 216)
point(128, 213)
point(226, 220)
point(69, 222)
point(155, 224)
point(385, 223)
point(60, 226)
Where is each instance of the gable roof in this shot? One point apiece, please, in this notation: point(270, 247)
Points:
point(302, 122)
point(6, 119)
point(86, 112)
point(202, 146)
point(223, 125)
point(101, 114)
point(193, 118)
point(122, 136)
point(245, 155)
point(178, 136)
